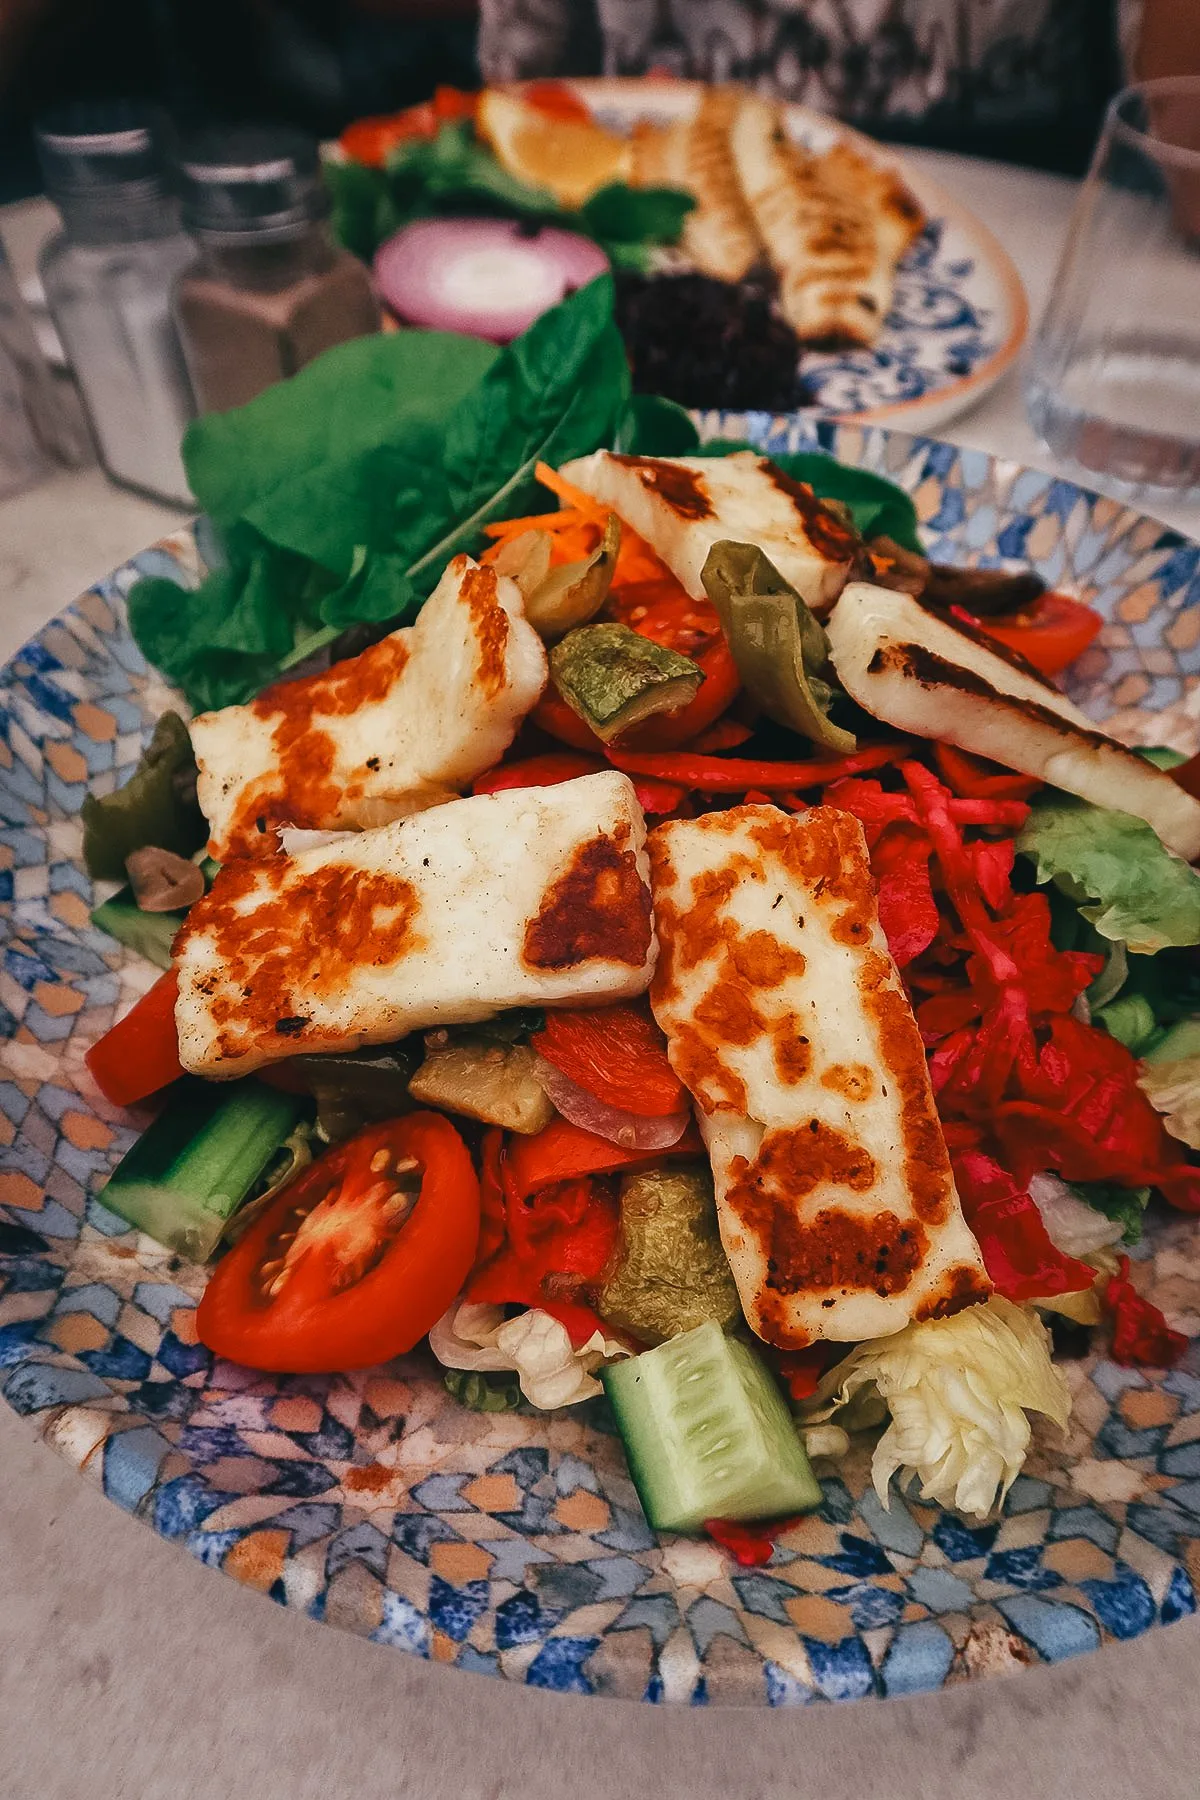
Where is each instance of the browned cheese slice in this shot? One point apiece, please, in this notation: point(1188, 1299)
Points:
point(835, 226)
point(787, 1020)
point(719, 237)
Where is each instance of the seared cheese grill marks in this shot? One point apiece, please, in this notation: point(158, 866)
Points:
point(683, 505)
point(834, 226)
point(387, 733)
point(920, 673)
point(787, 1020)
point(532, 897)
point(719, 236)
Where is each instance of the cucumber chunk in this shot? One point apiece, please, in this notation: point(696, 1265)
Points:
point(199, 1161)
point(150, 934)
point(708, 1434)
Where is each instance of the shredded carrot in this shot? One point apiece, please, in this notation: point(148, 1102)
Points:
point(570, 495)
point(575, 531)
point(504, 528)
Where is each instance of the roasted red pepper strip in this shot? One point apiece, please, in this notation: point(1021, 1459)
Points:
point(801, 1370)
point(718, 690)
point(559, 1241)
point(974, 779)
point(1141, 1336)
point(549, 770)
point(581, 1322)
point(140, 1053)
point(725, 734)
point(556, 766)
point(733, 775)
point(616, 1053)
point(564, 1150)
point(492, 1226)
point(907, 909)
point(749, 1545)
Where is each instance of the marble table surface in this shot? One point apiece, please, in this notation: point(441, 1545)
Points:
point(129, 1672)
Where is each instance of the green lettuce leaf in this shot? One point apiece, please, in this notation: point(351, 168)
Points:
point(1115, 868)
point(1126, 1206)
point(339, 496)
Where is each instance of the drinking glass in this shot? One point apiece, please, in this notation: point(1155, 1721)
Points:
point(1114, 380)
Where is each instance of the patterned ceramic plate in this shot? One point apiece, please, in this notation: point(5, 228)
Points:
point(959, 315)
point(513, 1542)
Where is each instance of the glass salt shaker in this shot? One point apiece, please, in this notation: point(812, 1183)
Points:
point(108, 278)
point(270, 289)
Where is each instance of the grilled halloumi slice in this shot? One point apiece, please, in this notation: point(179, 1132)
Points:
point(835, 226)
point(531, 897)
point(683, 505)
point(786, 1019)
point(923, 673)
point(397, 729)
point(719, 236)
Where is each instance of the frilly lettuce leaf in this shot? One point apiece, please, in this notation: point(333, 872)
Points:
point(958, 1391)
point(551, 1371)
point(1116, 869)
point(1170, 1080)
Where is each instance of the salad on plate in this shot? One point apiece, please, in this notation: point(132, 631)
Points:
point(627, 918)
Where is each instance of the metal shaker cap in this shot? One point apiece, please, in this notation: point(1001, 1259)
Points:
point(93, 147)
point(251, 184)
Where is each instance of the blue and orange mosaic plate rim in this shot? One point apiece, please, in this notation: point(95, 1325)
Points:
point(513, 1544)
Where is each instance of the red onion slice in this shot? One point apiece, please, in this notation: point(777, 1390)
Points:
point(488, 278)
point(632, 1131)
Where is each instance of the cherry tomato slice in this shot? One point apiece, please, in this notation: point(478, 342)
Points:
point(1050, 634)
point(351, 1264)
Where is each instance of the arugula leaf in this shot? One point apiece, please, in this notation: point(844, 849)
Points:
point(1123, 1204)
point(653, 426)
point(311, 463)
point(556, 392)
point(340, 495)
point(1115, 868)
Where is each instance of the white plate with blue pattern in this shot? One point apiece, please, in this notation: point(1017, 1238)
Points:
point(513, 1543)
point(959, 315)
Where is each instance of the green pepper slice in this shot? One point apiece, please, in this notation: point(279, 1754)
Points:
point(781, 651)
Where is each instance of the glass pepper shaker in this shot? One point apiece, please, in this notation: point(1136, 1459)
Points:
point(108, 278)
point(270, 289)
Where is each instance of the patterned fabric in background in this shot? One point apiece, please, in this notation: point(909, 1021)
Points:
point(1023, 79)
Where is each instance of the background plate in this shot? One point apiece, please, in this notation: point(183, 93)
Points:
point(959, 315)
point(513, 1543)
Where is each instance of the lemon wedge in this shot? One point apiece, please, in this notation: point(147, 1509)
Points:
point(570, 158)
